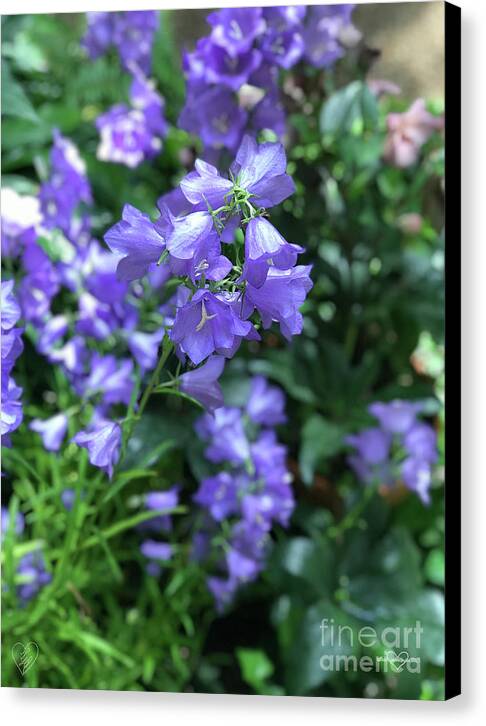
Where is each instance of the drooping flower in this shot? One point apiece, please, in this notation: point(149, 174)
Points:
point(265, 247)
point(202, 383)
point(102, 442)
point(420, 441)
point(279, 298)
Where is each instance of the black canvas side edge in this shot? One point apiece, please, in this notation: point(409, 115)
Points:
point(452, 350)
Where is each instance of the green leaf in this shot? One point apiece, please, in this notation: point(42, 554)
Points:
point(321, 439)
point(256, 667)
point(14, 99)
point(306, 559)
point(56, 246)
point(382, 577)
point(435, 567)
point(304, 668)
point(352, 107)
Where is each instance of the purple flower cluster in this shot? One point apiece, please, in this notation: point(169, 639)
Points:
point(66, 188)
point(221, 292)
point(131, 33)
point(130, 135)
point(59, 256)
point(12, 346)
point(31, 571)
point(401, 448)
point(33, 574)
point(233, 74)
point(242, 502)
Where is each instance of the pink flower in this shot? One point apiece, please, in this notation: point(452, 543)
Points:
point(408, 132)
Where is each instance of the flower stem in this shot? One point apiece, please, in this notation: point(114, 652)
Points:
point(166, 350)
point(351, 518)
point(132, 417)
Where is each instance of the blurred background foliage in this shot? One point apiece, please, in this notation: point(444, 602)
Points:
point(373, 331)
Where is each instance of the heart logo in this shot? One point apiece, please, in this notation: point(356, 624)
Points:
point(25, 656)
point(398, 662)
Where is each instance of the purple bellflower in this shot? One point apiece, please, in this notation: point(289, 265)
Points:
point(103, 443)
point(401, 449)
point(52, 430)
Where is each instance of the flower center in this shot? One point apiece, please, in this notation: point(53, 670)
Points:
point(204, 317)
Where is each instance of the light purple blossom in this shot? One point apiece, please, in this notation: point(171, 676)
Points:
point(130, 135)
point(156, 550)
point(261, 170)
point(145, 348)
point(137, 240)
point(235, 29)
point(6, 522)
point(226, 435)
point(402, 449)
point(397, 416)
point(219, 494)
point(68, 497)
point(11, 349)
point(208, 324)
point(279, 298)
point(33, 570)
point(250, 495)
point(202, 383)
point(266, 403)
point(102, 442)
point(132, 33)
point(52, 430)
